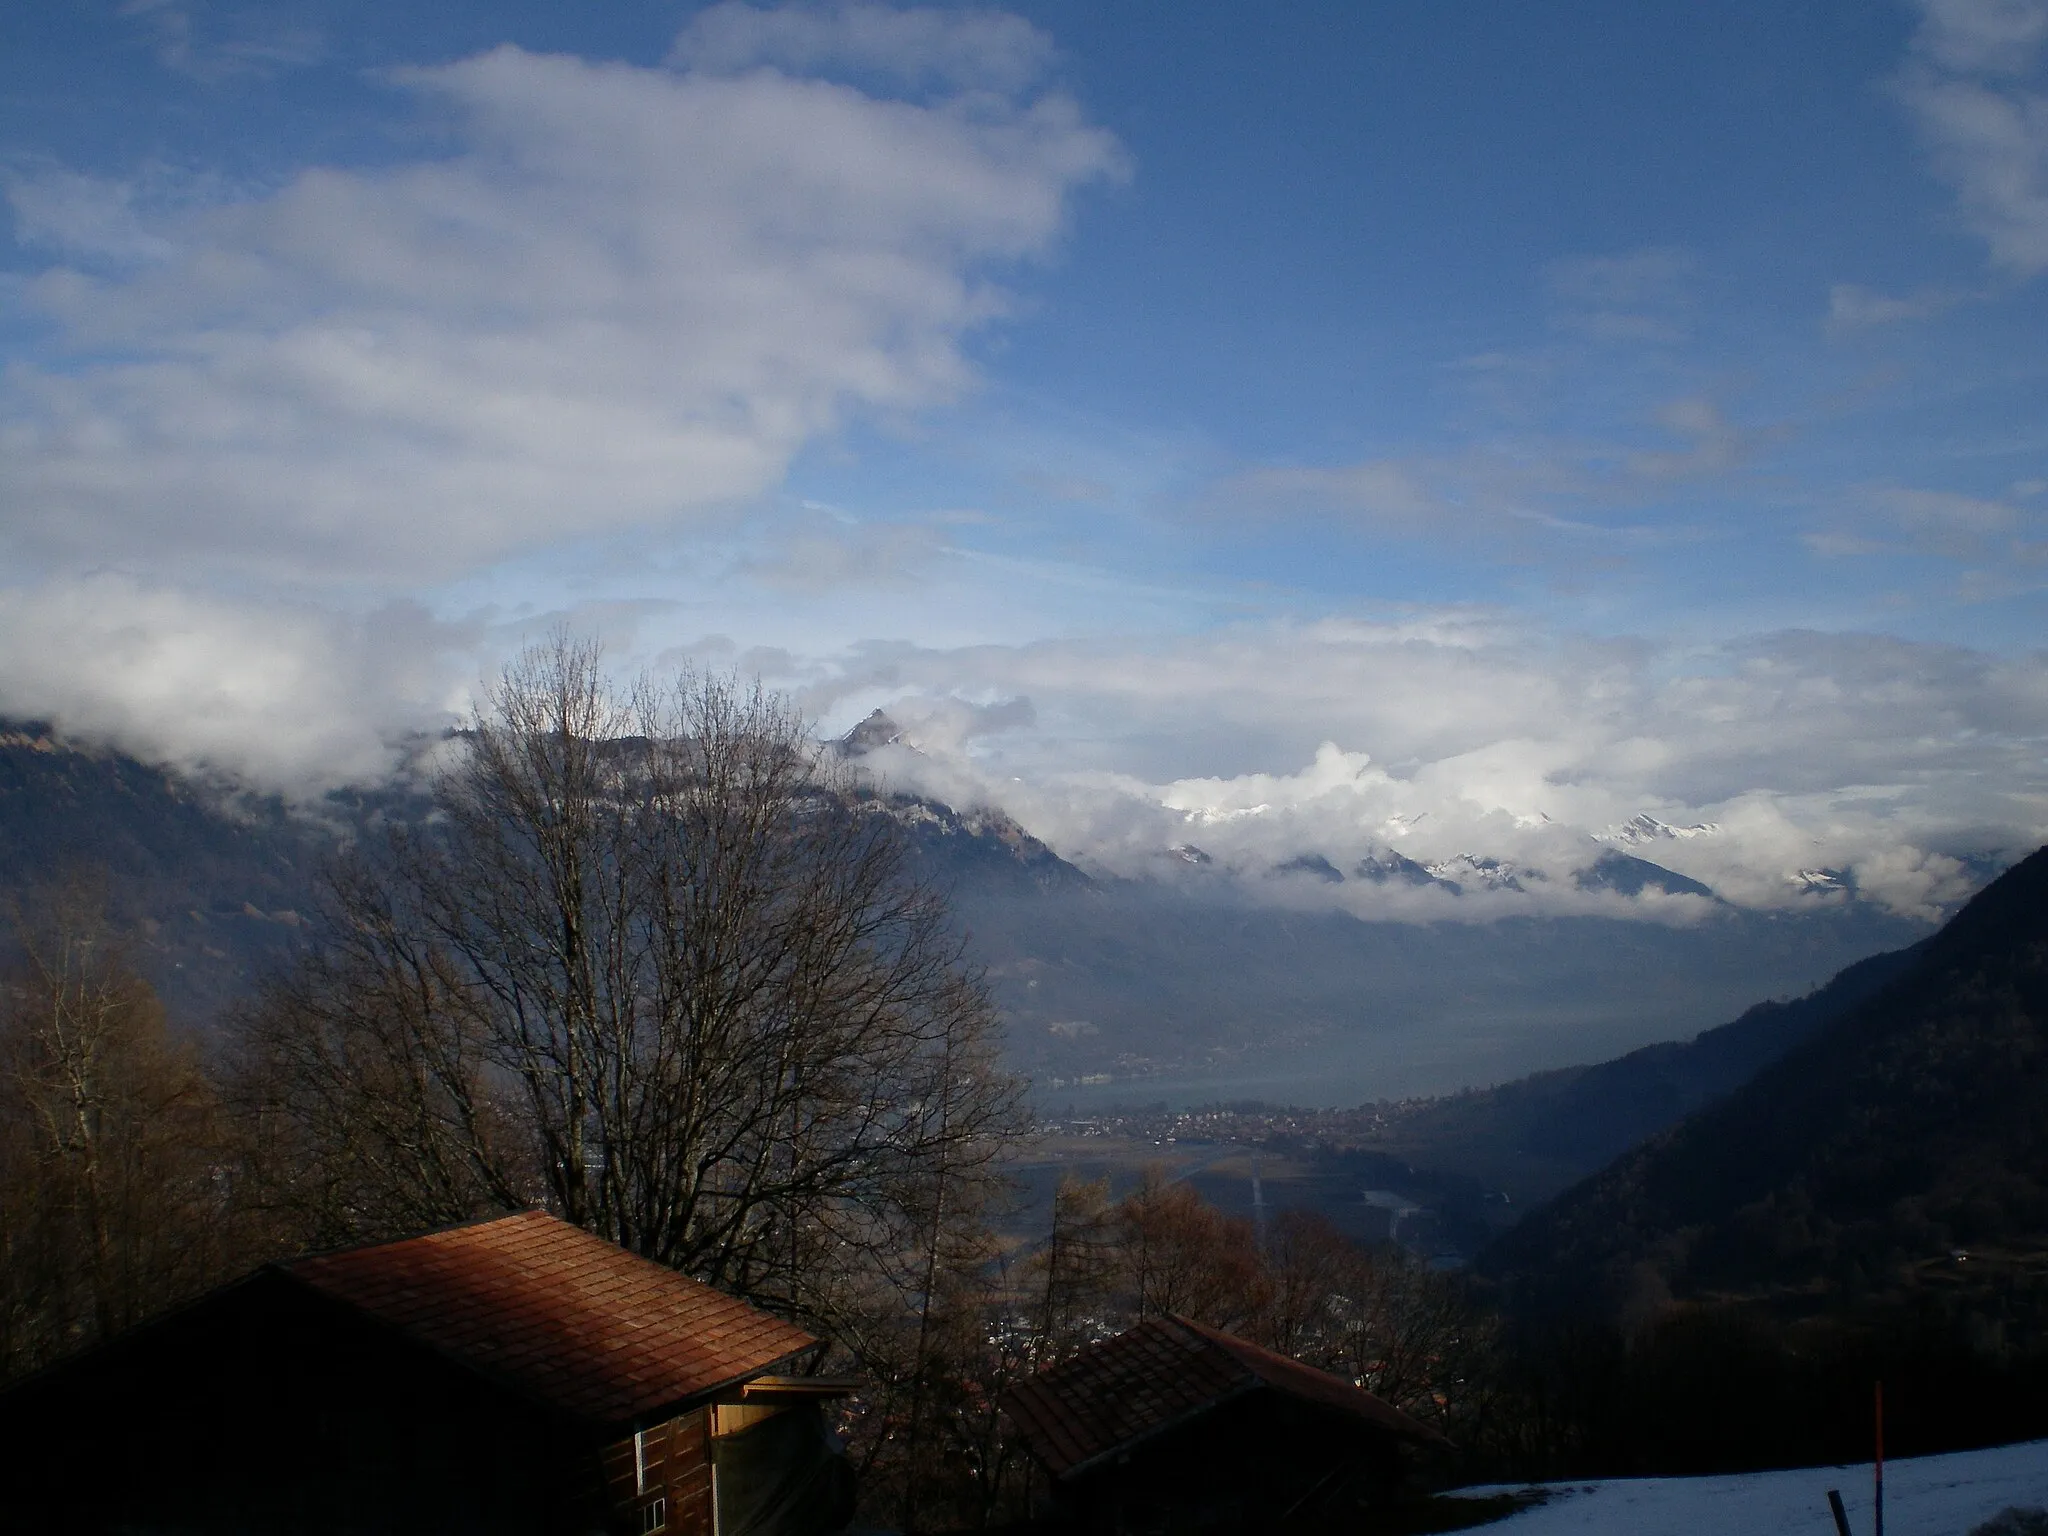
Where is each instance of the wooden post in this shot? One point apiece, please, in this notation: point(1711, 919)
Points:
point(1877, 1523)
point(1841, 1514)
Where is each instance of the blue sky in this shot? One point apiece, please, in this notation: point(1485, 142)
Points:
point(1558, 411)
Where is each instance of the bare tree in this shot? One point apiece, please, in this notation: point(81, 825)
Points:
point(656, 964)
point(112, 1203)
point(1184, 1256)
point(1310, 1265)
point(1413, 1337)
point(1075, 1272)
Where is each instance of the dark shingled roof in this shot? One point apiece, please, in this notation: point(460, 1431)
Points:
point(557, 1313)
point(1163, 1372)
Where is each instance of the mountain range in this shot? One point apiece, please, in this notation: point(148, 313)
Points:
point(1190, 990)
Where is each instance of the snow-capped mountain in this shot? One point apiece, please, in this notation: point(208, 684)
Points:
point(1482, 872)
point(1821, 882)
point(1463, 873)
point(1347, 835)
point(878, 730)
point(1643, 828)
point(1390, 868)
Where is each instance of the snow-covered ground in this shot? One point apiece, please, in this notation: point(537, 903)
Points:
point(1926, 1496)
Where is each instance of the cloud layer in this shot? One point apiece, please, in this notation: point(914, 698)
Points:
point(289, 696)
point(1450, 734)
point(625, 300)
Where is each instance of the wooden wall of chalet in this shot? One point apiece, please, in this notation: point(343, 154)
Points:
point(1262, 1460)
point(659, 1479)
point(266, 1410)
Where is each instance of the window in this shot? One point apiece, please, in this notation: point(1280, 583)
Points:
point(654, 1516)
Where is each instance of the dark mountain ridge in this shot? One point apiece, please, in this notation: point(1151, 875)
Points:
point(1536, 1135)
point(215, 885)
point(1900, 1151)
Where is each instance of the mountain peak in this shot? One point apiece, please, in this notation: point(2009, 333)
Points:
point(1644, 828)
point(878, 730)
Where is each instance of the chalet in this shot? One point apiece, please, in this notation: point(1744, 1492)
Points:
point(517, 1376)
point(1175, 1427)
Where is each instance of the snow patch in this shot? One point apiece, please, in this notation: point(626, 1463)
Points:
point(1924, 1496)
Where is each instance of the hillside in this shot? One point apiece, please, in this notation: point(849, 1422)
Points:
point(1536, 1135)
point(1898, 1157)
point(217, 885)
point(213, 886)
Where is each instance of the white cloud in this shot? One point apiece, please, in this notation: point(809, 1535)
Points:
point(1944, 525)
point(211, 45)
point(985, 48)
point(814, 559)
point(626, 300)
point(1946, 513)
point(1975, 87)
point(1992, 36)
point(59, 209)
point(1636, 296)
point(1513, 489)
point(1852, 307)
point(286, 696)
point(1457, 733)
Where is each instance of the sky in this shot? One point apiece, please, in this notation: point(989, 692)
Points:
point(1326, 428)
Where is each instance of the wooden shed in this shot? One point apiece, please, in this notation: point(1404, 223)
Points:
point(512, 1376)
point(1175, 1427)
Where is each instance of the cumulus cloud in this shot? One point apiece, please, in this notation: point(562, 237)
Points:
point(61, 210)
point(285, 696)
point(626, 300)
point(1975, 86)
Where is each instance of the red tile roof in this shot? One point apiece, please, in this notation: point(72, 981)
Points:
point(1163, 1372)
point(557, 1313)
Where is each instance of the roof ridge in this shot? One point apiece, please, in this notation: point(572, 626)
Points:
point(312, 1254)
